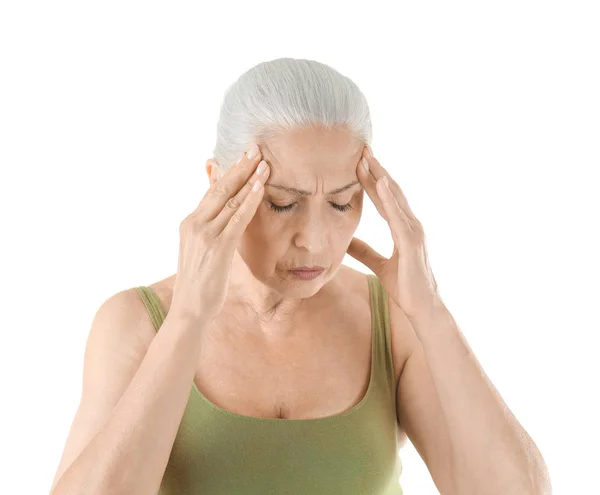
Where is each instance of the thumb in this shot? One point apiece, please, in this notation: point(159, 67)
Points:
point(364, 253)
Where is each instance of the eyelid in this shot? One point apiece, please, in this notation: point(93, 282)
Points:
point(339, 203)
point(280, 188)
point(290, 207)
point(330, 197)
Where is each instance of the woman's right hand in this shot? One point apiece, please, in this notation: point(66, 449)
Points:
point(210, 235)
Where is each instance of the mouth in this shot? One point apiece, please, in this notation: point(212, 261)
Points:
point(307, 269)
point(306, 273)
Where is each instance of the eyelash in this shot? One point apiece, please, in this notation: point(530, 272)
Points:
point(282, 209)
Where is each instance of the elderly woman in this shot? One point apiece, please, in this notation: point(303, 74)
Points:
point(264, 365)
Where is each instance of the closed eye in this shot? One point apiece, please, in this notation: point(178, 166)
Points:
point(281, 209)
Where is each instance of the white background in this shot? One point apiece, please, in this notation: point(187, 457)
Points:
point(486, 114)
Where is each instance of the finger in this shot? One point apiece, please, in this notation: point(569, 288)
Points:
point(235, 203)
point(378, 172)
point(227, 186)
point(243, 215)
point(368, 182)
point(396, 218)
point(364, 253)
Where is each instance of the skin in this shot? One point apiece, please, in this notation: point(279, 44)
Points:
point(312, 233)
point(308, 333)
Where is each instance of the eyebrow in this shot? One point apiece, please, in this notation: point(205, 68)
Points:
point(301, 192)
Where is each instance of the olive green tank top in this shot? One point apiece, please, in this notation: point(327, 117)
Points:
point(218, 452)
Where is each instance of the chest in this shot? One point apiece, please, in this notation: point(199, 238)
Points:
point(321, 372)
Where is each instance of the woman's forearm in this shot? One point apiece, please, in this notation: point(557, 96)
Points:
point(130, 453)
point(492, 452)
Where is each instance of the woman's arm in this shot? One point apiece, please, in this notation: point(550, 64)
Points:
point(130, 453)
point(492, 452)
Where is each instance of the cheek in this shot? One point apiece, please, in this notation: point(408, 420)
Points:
point(264, 232)
point(358, 209)
point(352, 221)
point(341, 235)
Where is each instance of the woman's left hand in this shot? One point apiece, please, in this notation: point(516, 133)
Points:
point(406, 276)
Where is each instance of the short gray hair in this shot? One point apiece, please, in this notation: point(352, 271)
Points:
point(279, 95)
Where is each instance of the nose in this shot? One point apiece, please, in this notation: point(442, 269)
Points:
point(312, 234)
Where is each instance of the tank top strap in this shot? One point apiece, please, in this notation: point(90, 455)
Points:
point(382, 332)
point(153, 305)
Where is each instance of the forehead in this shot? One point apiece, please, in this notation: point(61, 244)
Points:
point(312, 150)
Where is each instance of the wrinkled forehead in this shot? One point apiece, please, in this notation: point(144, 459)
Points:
point(327, 156)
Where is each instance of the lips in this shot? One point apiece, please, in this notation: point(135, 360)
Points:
point(307, 269)
point(306, 273)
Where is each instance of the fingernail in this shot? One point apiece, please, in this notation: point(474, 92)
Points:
point(365, 164)
point(239, 159)
point(253, 151)
point(369, 151)
point(385, 181)
point(261, 167)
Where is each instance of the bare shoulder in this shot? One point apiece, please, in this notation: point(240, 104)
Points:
point(402, 335)
point(133, 309)
point(163, 290)
point(117, 342)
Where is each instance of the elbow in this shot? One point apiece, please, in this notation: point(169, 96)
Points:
point(539, 474)
point(541, 480)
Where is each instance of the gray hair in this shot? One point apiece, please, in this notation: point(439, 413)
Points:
point(280, 95)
